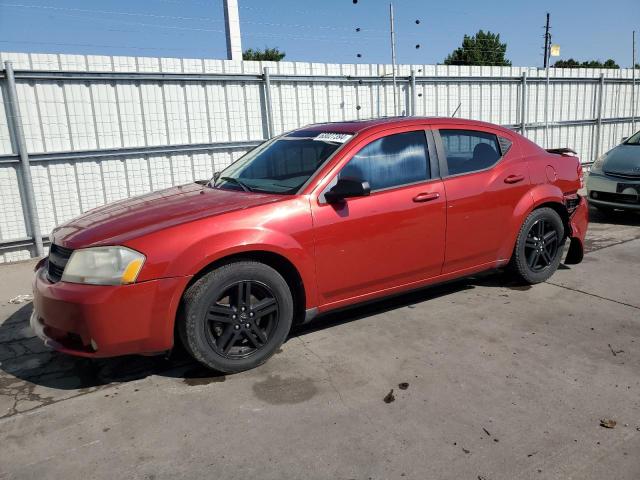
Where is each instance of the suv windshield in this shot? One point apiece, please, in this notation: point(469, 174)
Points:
point(281, 165)
point(633, 140)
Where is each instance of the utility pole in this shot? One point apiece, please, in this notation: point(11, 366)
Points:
point(633, 84)
point(232, 29)
point(547, 41)
point(547, 49)
point(393, 60)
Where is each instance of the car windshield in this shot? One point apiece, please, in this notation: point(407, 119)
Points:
point(633, 140)
point(281, 165)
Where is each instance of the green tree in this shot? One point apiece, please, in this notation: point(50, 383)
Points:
point(483, 48)
point(571, 63)
point(268, 54)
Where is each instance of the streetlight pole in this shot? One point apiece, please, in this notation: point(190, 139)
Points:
point(393, 60)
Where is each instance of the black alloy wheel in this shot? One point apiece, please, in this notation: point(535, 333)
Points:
point(538, 248)
point(541, 245)
point(241, 319)
point(236, 316)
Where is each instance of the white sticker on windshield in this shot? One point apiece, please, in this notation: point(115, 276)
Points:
point(333, 137)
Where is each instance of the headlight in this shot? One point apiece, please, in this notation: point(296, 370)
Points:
point(103, 266)
point(597, 165)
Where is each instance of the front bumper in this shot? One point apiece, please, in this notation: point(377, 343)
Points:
point(106, 321)
point(613, 192)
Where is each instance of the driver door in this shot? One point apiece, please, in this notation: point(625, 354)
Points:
point(395, 236)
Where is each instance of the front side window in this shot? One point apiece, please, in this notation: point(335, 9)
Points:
point(469, 150)
point(281, 165)
point(391, 161)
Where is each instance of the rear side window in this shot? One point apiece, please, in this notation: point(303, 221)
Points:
point(469, 150)
point(391, 161)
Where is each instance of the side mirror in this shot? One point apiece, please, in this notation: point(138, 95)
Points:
point(347, 188)
point(216, 176)
point(624, 139)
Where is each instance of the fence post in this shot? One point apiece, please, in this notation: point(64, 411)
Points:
point(15, 122)
point(412, 81)
point(523, 104)
point(599, 118)
point(267, 98)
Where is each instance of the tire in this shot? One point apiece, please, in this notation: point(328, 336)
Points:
point(236, 316)
point(535, 260)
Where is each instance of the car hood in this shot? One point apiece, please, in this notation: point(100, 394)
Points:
point(131, 218)
point(624, 159)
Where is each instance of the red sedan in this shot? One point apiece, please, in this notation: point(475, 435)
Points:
point(323, 217)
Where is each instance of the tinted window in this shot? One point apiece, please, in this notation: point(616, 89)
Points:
point(391, 161)
point(469, 150)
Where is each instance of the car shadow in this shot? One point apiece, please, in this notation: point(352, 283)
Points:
point(615, 217)
point(494, 278)
point(24, 356)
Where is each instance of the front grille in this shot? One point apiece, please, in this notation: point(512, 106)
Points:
point(58, 258)
point(629, 175)
point(615, 197)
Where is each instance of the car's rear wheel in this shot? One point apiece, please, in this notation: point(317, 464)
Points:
point(236, 316)
point(538, 249)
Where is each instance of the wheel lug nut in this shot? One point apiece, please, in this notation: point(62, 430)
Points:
point(237, 327)
point(251, 314)
point(247, 325)
point(243, 309)
point(234, 316)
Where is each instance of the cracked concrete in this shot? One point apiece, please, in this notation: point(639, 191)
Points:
point(532, 366)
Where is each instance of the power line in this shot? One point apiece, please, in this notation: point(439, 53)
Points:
point(106, 12)
point(167, 17)
point(92, 45)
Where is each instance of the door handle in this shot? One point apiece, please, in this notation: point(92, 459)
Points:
point(514, 179)
point(426, 197)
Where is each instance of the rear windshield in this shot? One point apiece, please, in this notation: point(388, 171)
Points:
point(281, 165)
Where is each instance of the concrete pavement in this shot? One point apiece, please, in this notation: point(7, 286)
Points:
point(504, 382)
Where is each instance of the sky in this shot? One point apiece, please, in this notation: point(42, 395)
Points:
point(319, 31)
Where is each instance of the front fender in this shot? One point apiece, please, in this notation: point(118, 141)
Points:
point(184, 250)
point(225, 244)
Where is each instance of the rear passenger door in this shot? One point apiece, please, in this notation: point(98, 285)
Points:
point(484, 179)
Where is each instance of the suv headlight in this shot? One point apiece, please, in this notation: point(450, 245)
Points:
point(597, 165)
point(103, 266)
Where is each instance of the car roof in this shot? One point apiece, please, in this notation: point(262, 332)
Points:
point(375, 124)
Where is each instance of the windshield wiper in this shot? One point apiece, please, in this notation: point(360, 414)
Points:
point(242, 185)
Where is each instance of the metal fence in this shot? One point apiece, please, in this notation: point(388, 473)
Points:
point(80, 131)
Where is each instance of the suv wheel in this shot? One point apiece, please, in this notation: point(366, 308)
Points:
point(539, 246)
point(236, 316)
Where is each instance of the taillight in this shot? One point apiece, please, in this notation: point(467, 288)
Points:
point(580, 174)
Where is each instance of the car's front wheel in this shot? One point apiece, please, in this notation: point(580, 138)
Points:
point(236, 316)
point(538, 249)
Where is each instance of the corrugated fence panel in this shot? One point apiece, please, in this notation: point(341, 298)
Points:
point(78, 115)
point(5, 137)
point(11, 215)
